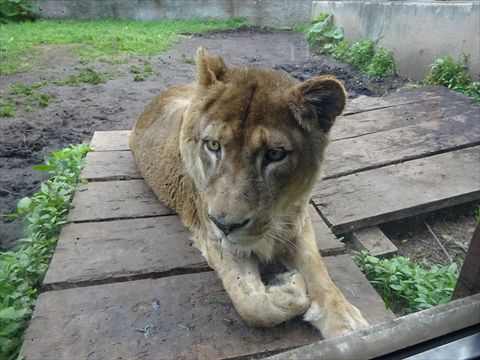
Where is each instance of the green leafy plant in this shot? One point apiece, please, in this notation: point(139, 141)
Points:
point(321, 32)
point(405, 286)
point(451, 74)
point(9, 8)
point(22, 271)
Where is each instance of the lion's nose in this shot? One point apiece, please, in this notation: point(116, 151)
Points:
point(226, 227)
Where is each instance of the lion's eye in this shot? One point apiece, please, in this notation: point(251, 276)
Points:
point(276, 154)
point(212, 145)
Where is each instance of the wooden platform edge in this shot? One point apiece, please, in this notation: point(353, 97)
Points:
point(408, 330)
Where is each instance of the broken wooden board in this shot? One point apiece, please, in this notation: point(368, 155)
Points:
point(373, 240)
point(111, 140)
point(438, 111)
point(121, 250)
point(397, 145)
point(191, 315)
point(327, 242)
point(115, 200)
point(110, 165)
point(390, 193)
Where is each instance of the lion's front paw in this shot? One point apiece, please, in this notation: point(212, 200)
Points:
point(290, 293)
point(335, 320)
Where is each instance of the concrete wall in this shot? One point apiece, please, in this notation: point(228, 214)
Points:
point(260, 12)
point(417, 33)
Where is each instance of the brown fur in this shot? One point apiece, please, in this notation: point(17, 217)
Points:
point(236, 156)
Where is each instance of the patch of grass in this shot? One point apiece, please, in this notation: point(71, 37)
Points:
point(108, 40)
point(188, 61)
point(87, 75)
point(22, 272)
point(407, 287)
point(8, 109)
point(142, 75)
point(26, 95)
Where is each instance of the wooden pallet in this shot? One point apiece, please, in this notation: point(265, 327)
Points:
point(126, 262)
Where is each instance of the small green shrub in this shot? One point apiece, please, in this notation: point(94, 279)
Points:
point(451, 74)
point(325, 38)
point(406, 286)
point(22, 271)
point(381, 65)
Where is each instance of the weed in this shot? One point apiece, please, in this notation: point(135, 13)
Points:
point(7, 109)
point(27, 94)
point(147, 71)
point(135, 70)
point(187, 61)
point(476, 213)
point(408, 287)
point(87, 75)
point(326, 38)
point(381, 65)
point(44, 100)
point(22, 272)
point(451, 74)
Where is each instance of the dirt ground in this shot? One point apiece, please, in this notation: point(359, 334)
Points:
point(77, 112)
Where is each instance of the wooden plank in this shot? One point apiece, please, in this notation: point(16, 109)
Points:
point(100, 321)
point(437, 110)
point(136, 249)
point(469, 279)
point(392, 146)
point(114, 251)
point(409, 330)
point(111, 140)
point(374, 241)
point(327, 242)
point(369, 198)
point(110, 165)
point(115, 200)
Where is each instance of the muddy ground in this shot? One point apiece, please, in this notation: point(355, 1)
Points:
point(77, 112)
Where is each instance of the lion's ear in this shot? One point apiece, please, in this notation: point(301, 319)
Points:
point(211, 69)
point(317, 101)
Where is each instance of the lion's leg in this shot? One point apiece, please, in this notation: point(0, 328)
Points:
point(329, 311)
point(257, 304)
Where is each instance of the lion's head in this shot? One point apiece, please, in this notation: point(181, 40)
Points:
point(254, 140)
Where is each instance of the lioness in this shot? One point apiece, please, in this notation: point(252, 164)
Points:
point(237, 156)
